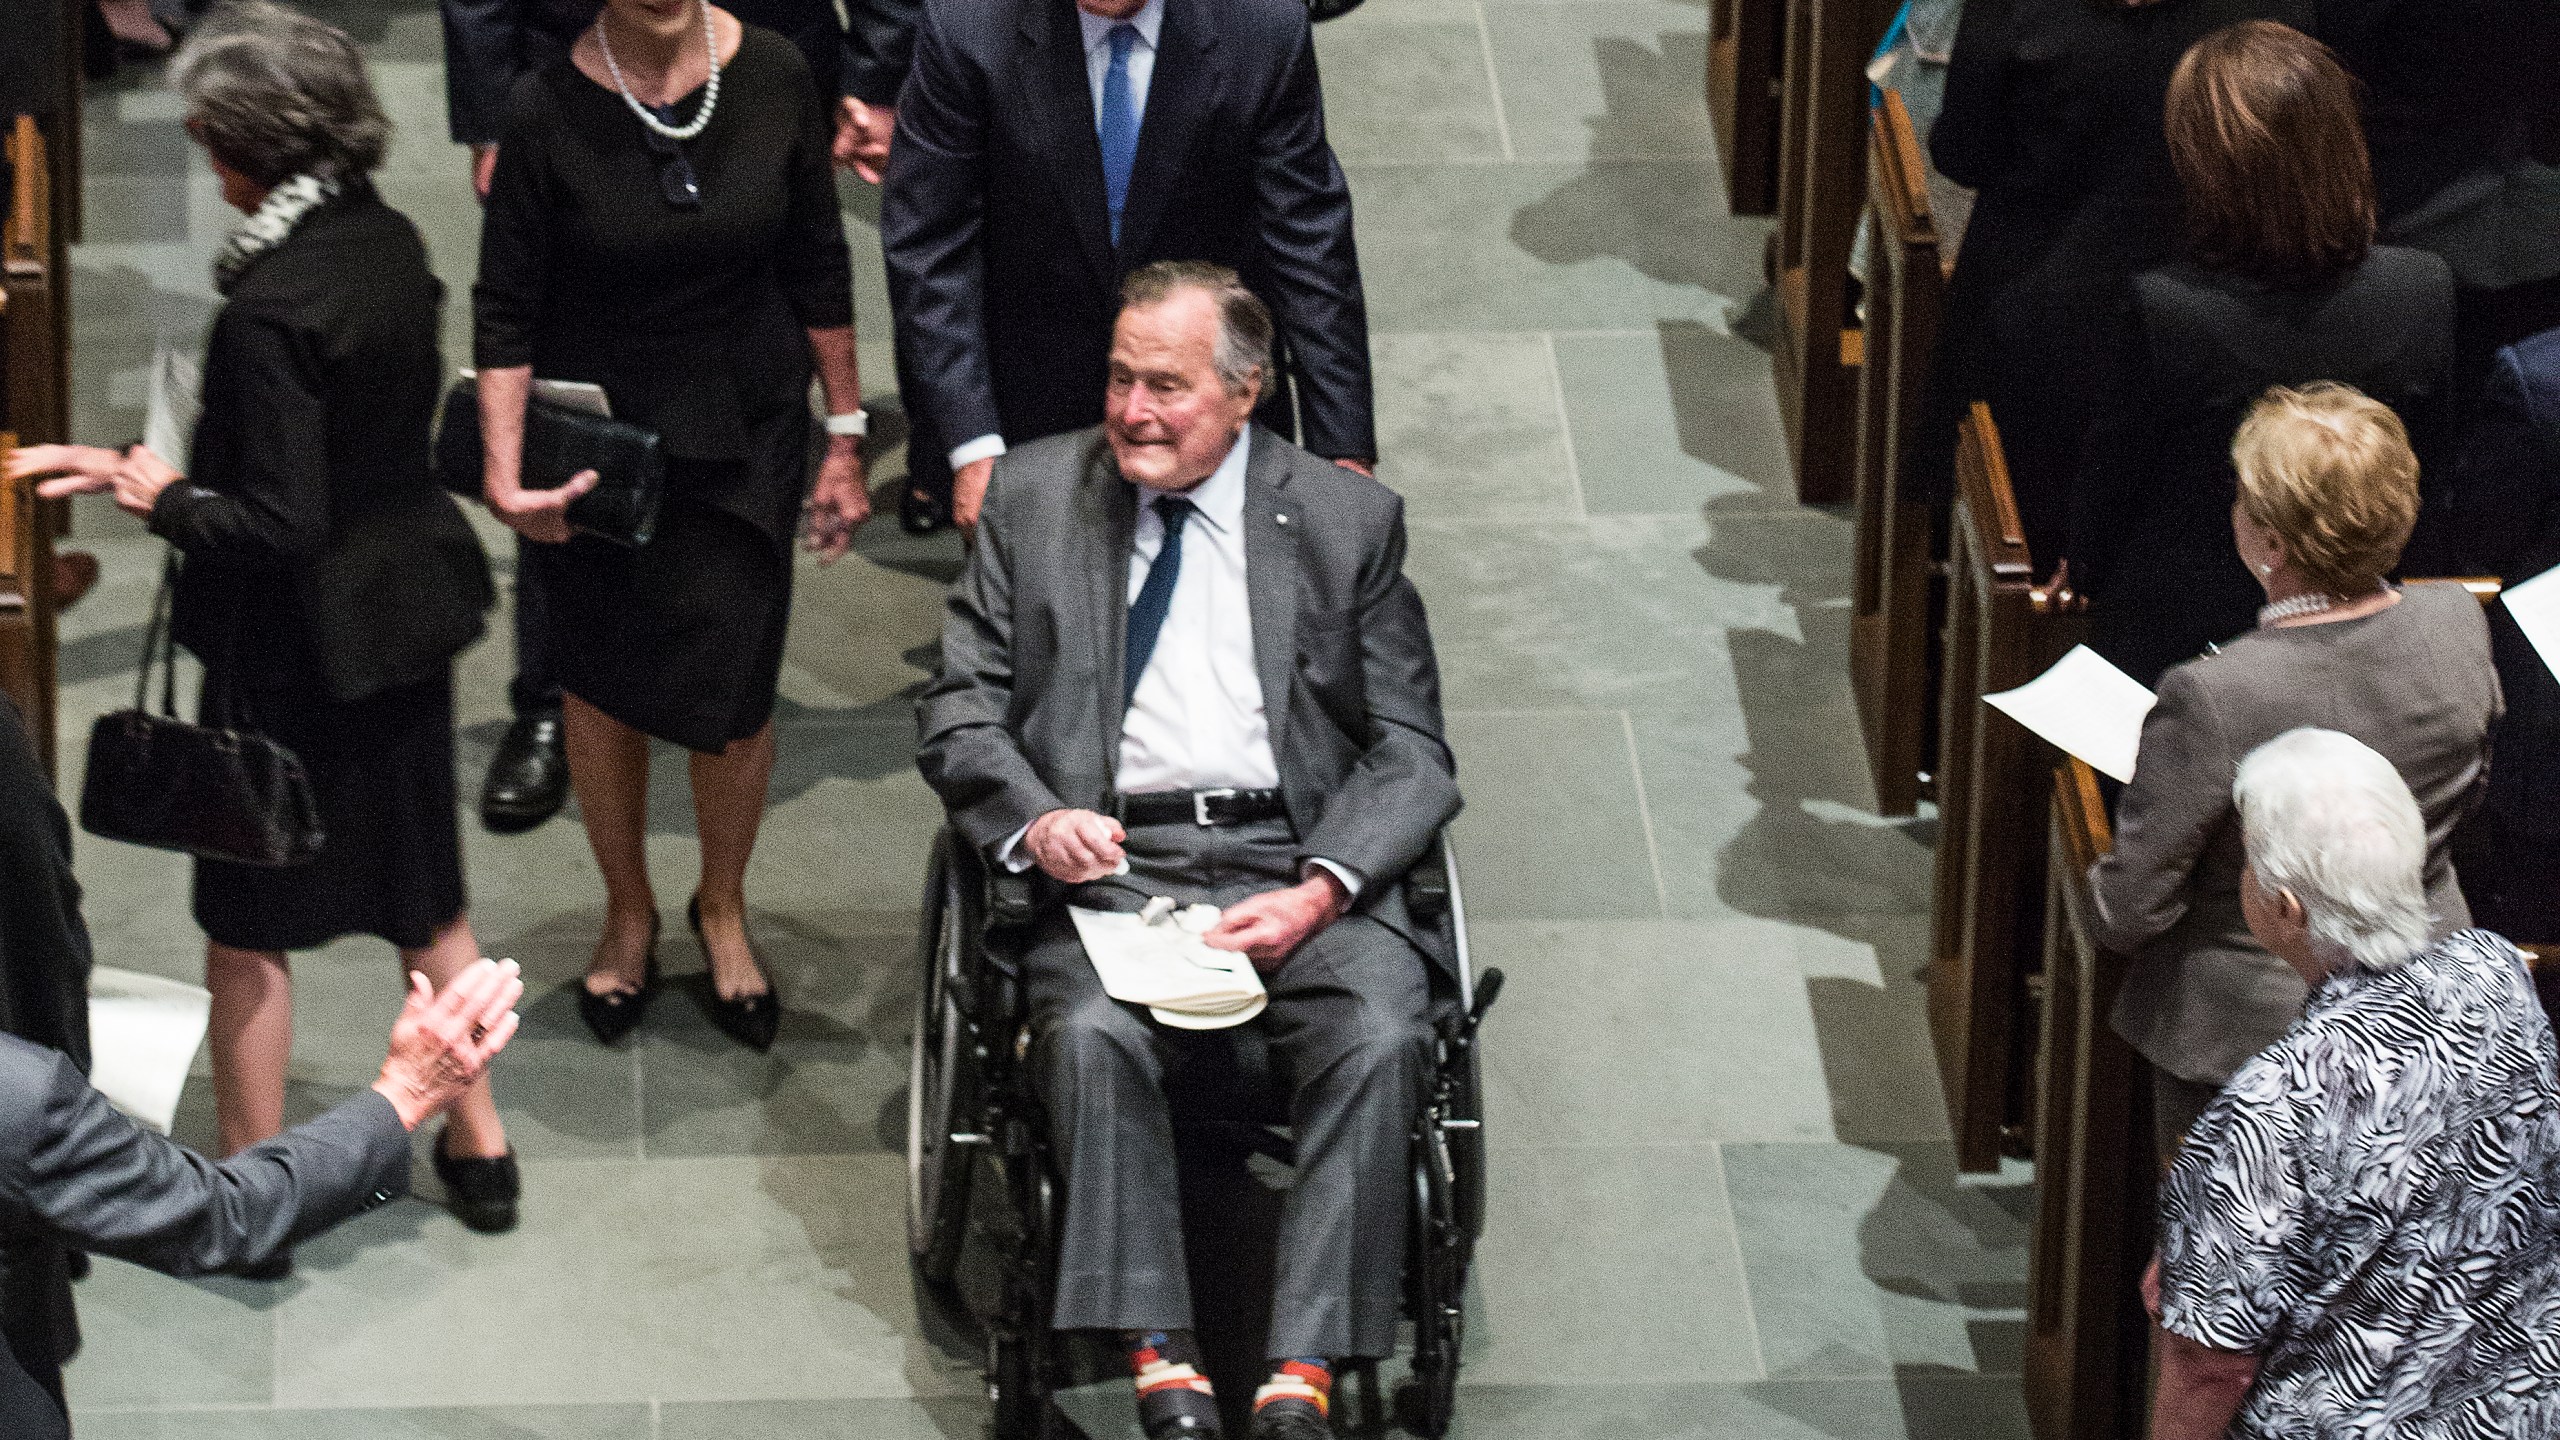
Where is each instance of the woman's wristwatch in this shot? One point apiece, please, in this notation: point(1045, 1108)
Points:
point(856, 422)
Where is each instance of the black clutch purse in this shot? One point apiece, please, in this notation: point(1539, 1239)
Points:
point(210, 790)
point(630, 463)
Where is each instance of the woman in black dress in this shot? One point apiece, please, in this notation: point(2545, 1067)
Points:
point(328, 580)
point(2053, 116)
point(662, 221)
point(2281, 284)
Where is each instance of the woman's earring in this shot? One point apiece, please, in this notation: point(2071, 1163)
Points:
point(2266, 569)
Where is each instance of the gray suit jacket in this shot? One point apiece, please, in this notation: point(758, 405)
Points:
point(1025, 715)
point(2414, 682)
point(74, 1170)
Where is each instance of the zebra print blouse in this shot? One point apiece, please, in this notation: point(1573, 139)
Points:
point(2372, 1207)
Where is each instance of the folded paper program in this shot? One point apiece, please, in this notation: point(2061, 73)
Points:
point(1156, 958)
point(143, 1033)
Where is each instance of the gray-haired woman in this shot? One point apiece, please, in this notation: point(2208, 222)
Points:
point(2359, 1236)
point(328, 581)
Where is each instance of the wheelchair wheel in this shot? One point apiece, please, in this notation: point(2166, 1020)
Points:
point(941, 1079)
point(1436, 1279)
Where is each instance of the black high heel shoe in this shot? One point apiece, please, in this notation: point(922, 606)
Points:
point(617, 1013)
point(751, 1020)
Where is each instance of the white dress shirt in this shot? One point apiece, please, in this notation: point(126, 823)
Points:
point(1196, 720)
point(1149, 22)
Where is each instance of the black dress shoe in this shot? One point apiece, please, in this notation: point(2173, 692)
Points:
point(1290, 1422)
point(751, 1020)
point(482, 1194)
point(528, 777)
point(617, 1013)
point(921, 514)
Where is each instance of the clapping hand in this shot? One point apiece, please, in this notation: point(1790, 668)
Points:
point(441, 1044)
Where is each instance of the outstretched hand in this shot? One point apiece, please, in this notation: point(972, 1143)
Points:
point(1268, 928)
point(135, 475)
point(441, 1044)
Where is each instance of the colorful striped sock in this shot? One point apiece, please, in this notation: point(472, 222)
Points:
point(1174, 1398)
point(1295, 1400)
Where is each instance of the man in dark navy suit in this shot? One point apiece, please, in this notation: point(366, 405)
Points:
point(1045, 150)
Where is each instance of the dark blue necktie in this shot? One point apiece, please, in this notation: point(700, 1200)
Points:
point(1119, 124)
point(1147, 612)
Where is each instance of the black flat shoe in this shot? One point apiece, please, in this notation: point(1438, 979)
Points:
point(751, 1020)
point(617, 1013)
point(482, 1194)
point(529, 776)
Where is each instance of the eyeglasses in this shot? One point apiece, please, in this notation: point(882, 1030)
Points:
point(681, 188)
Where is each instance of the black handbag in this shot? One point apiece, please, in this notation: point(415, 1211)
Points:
point(212, 790)
point(630, 463)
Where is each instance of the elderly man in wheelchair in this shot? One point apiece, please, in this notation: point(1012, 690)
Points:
point(1184, 661)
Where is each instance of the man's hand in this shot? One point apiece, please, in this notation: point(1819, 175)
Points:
point(1074, 846)
point(1365, 469)
point(539, 515)
point(839, 503)
point(1268, 928)
point(969, 493)
point(441, 1044)
point(862, 138)
point(484, 164)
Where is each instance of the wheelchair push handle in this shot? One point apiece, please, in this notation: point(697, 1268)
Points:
point(1488, 990)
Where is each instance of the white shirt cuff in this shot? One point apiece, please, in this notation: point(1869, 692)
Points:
point(1351, 881)
point(985, 447)
point(1011, 855)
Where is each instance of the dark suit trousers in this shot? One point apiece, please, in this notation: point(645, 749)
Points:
point(1346, 1030)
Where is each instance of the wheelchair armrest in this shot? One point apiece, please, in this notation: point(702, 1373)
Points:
point(1426, 885)
point(1012, 915)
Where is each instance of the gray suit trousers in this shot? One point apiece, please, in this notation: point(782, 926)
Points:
point(1347, 1026)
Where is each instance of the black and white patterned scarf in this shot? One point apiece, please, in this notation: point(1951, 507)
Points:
point(267, 226)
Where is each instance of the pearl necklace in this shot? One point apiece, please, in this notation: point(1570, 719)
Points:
point(2311, 604)
point(710, 88)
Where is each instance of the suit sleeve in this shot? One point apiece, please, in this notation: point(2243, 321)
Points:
point(965, 744)
point(1404, 786)
point(2491, 509)
point(106, 1185)
point(483, 54)
point(932, 214)
point(2180, 795)
point(1310, 264)
point(276, 506)
point(1970, 142)
point(878, 47)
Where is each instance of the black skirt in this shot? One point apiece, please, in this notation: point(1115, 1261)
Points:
point(390, 864)
point(682, 638)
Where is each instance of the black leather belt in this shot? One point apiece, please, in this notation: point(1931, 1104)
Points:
point(1201, 807)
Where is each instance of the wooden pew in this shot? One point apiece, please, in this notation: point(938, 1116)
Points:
point(1889, 640)
point(1745, 43)
point(1821, 189)
point(2086, 1363)
point(34, 405)
point(2001, 631)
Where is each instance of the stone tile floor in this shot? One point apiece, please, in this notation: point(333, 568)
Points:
point(1723, 1201)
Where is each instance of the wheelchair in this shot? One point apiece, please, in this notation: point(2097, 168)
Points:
point(972, 1112)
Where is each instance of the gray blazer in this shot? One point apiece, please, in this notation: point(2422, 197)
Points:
point(1024, 716)
point(75, 1171)
point(2413, 681)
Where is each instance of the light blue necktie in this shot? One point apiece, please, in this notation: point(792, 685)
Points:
point(1155, 597)
point(1119, 124)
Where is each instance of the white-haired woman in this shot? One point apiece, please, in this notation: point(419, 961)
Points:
point(2361, 1234)
point(2328, 491)
point(328, 582)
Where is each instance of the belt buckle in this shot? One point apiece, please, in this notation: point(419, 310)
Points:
point(1200, 805)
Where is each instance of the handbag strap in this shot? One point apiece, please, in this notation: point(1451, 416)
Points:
point(160, 646)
